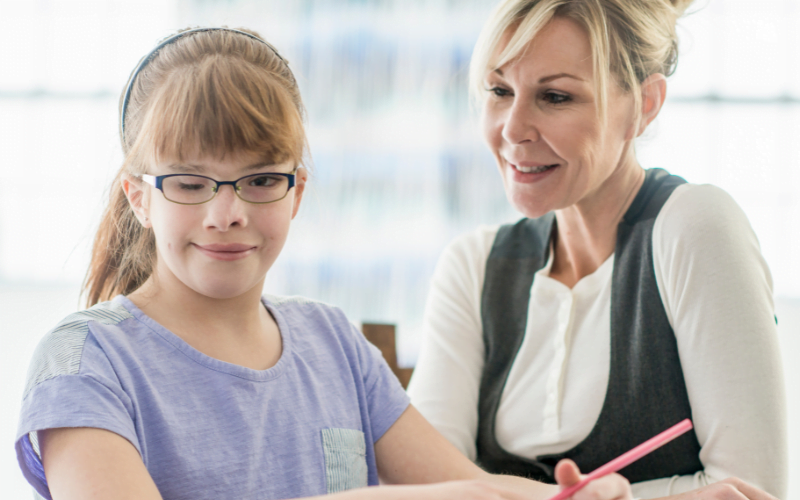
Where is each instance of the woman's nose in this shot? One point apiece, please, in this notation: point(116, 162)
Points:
point(520, 124)
point(226, 209)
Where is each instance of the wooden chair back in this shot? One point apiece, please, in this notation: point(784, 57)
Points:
point(383, 337)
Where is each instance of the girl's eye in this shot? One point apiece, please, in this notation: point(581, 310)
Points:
point(556, 98)
point(191, 187)
point(263, 181)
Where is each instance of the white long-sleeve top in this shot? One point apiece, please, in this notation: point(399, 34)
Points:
point(717, 292)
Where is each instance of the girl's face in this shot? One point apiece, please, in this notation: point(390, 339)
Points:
point(541, 123)
point(224, 247)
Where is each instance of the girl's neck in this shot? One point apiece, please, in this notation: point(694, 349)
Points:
point(238, 330)
point(587, 231)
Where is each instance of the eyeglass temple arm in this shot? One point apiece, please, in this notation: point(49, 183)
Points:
point(152, 180)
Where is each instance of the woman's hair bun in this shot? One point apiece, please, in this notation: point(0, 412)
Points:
point(681, 5)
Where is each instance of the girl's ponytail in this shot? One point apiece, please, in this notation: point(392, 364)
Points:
point(123, 253)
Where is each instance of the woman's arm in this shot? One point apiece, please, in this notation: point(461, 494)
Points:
point(717, 292)
point(446, 380)
point(731, 488)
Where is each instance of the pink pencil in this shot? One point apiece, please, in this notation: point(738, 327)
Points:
point(628, 458)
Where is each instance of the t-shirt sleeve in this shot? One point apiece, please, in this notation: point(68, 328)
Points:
point(717, 292)
point(386, 400)
point(70, 384)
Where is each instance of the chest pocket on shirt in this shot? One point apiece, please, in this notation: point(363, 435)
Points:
point(345, 459)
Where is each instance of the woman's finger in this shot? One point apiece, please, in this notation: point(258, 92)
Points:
point(567, 473)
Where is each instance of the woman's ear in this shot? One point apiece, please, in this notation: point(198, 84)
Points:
point(301, 176)
point(654, 92)
point(134, 191)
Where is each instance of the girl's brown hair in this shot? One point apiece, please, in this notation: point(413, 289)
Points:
point(214, 93)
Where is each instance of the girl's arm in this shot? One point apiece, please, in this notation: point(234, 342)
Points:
point(413, 452)
point(95, 464)
point(83, 463)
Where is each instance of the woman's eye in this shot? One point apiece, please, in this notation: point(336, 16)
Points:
point(499, 91)
point(556, 98)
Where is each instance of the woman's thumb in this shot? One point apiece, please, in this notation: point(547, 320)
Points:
point(567, 473)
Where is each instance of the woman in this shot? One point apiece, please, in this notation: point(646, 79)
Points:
point(627, 300)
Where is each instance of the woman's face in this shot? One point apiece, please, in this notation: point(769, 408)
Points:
point(224, 247)
point(541, 123)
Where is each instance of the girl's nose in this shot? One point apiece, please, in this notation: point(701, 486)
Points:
point(225, 210)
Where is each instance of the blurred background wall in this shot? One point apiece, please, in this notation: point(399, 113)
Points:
point(398, 166)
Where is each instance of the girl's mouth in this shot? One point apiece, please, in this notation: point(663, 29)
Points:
point(226, 252)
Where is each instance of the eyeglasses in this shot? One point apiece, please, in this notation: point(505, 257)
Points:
point(190, 189)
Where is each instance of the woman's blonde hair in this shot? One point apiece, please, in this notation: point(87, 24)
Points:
point(630, 39)
point(213, 92)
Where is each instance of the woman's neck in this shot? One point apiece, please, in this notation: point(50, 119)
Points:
point(238, 330)
point(587, 231)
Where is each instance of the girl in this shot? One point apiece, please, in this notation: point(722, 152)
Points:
point(181, 381)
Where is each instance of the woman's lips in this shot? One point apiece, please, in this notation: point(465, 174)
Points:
point(531, 172)
point(226, 251)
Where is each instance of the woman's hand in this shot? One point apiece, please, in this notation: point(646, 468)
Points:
point(413, 452)
point(610, 487)
point(732, 488)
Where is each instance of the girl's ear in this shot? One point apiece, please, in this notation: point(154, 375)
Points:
point(134, 191)
point(301, 176)
point(654, 92)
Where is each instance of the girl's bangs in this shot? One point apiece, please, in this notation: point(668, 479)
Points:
point(217, 107)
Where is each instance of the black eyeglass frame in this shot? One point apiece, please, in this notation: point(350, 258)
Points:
point(157, 181)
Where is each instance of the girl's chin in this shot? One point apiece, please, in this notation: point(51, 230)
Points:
point(222, 290)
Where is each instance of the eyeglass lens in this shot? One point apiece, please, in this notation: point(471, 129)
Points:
point(193, 189)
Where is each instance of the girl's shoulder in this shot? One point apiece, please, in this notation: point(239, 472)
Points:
point(61, 350)
point(310, 322)
point(323, 333)
point(302, 308)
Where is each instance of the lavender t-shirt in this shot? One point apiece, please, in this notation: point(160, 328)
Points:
point(207, 429)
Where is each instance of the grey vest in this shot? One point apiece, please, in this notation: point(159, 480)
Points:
point(646, 390)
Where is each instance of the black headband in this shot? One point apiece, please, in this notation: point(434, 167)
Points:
point(146, 59)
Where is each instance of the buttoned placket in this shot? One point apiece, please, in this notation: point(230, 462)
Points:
point(551, 411)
